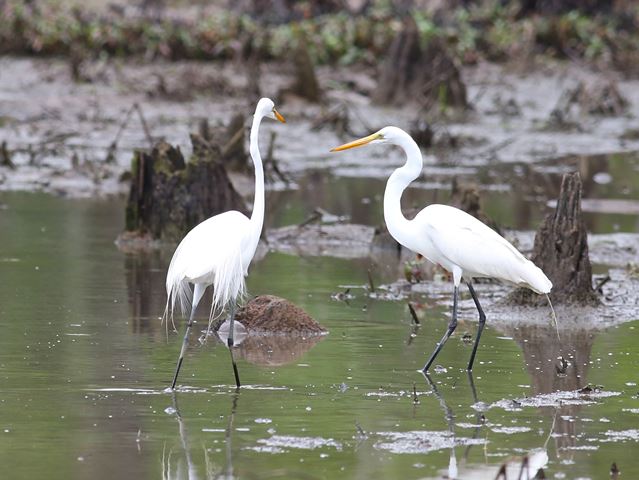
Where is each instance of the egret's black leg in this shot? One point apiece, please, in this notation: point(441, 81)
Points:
point(451, 328)
point(230, 343)
point(482, 322)
point(198, 291)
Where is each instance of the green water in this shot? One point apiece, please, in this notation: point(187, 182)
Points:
point(84, 361)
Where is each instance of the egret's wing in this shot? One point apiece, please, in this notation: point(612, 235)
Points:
point(210, 253)
point(476, 248)
point(205, 248)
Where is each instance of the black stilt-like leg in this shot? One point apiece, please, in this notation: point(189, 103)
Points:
point(482, 322)
point(451, 328)
point(198, 291)
point(230, 343)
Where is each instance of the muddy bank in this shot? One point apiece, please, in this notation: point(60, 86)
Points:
point(60, 133)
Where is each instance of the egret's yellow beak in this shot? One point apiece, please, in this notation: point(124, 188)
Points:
point(357, 143)
point(279, 116)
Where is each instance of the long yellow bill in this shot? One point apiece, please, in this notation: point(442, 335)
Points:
point(279, 116)
point(356, 143)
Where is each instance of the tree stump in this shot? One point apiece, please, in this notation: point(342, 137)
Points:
point(561, 251)
point(169, 196)
point(411, 74)
point(305, 85)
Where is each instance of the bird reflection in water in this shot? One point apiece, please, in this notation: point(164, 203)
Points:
point(527, 466)
point(171, 470)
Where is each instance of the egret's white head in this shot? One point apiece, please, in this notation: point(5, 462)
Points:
point(266, 108)
point(392, 135)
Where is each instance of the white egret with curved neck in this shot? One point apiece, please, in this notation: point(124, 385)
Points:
point(218, 252)
point(450, 237)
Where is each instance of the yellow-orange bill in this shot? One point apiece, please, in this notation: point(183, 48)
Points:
point(356, 143)
point(279, 116)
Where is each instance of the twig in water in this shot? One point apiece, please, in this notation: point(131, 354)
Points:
point(614, 471)
point(270, 161)
point(313, 217)
point(601, 283)
point(562, 366)
point(371, 285)
point(415, 397)
point(413, 314)
point(127, 116)
point(145, 127)
point(360, 431)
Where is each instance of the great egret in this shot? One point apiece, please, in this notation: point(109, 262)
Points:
point(449, 237)
point(218, 251)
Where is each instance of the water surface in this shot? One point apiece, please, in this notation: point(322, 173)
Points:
point(84, 363)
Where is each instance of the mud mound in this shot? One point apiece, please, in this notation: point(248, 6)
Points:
point(268, 314)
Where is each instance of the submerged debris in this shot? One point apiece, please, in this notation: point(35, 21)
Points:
point(614, 471)
point(561, 251)
point(582, 396)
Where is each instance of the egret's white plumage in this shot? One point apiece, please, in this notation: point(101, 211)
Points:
point(448, 236)
point(219, 250)
point(211, 254)
point(458, 240)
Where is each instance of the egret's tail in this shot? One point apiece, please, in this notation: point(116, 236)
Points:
point(178, 292)
point(536, 279)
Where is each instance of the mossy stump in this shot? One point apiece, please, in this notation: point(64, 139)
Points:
point(169, 196)
point(561, 251)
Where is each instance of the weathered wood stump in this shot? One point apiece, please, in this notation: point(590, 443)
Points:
point(410, 73)
point(271, 315)
point(561, 251)
point(169, 196)
point(305, 84)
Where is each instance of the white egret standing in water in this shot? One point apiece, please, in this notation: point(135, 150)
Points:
point(218, 252)
point(450, 237)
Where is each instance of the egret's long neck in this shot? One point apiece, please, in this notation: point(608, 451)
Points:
point(257, 217)
point(398, 226)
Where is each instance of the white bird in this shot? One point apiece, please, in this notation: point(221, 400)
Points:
point(450, 237)
point(218, 251)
